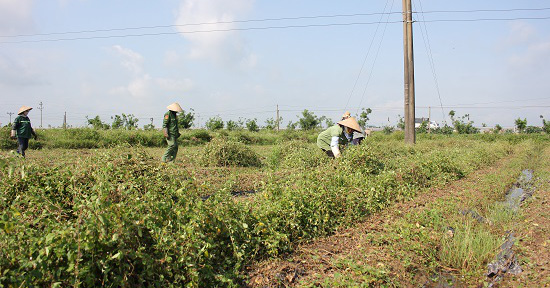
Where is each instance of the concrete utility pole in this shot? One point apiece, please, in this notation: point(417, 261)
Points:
point(277, 117)
point(65, 121)
point(41, 107)
point(410, 133)
point(10, 113)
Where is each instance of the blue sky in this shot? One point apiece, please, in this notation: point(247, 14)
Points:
point(495, 71)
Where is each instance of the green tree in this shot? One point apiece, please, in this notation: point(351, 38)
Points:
point(423, 128)
point(497, 129)
point(271, 123)
point(185, 120)
point(214, 123)
point(118, 123)
point(232, 125)
point(252, 125)
point(364, 117)
point(308, 121)
point(291, 125)
point(521, 124)
point(97, 123)
point(546, 126)
point(401, 123)
point(130, 121)
point(149, 127)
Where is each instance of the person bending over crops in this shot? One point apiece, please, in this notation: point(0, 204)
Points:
point(330, 139)
point(356, 137)
point(22, 130)
point(171, 131)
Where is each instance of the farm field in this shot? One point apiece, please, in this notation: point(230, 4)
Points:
point(282, 214)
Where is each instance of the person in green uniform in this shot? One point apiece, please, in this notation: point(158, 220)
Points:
point(171, 131)
point(22, 130)
point(330, 139)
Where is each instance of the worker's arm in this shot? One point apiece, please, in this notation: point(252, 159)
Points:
point(14, 129)
point(165, 125)
point(334, 146)
point(34, 134)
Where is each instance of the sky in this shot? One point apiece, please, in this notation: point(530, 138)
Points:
point(240, 59)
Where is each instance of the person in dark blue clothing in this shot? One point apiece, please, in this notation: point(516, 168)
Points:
point(22, 130)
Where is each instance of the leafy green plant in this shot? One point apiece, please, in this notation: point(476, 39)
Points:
point(214, 123)
point(223, 152)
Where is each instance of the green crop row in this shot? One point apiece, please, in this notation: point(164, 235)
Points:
point(79, 138)
point(118, 218)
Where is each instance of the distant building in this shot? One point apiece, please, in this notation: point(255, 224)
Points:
point(431, 124)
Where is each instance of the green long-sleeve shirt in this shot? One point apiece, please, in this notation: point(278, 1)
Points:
point(170, 123)
point(22, 127)
point(325, 137)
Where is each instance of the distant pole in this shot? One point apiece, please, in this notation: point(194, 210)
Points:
point(10, 113)
point(429, 117)
point(410, 133)
point(151, 121)
point(65, 121)
point(277, 117)
point(41, 107)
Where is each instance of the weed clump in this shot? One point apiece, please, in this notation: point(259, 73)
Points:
point(222, 152)
point(296, 154)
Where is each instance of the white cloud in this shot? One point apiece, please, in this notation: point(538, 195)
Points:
point(221, 47)
point(141, 85)
point(15, 16)
point(535, 57)
point(22, 71)
point(130, 60)
point(174, 84)
point(520, 32)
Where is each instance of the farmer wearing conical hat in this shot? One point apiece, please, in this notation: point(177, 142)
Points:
point(329, 139)
point(356, 137)
point(22, 130)
point(171, 131)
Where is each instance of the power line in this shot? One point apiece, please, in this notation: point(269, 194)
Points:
point(267, 20)
point(366, 57)
point(267, 28)
point(486, 19)
point(374, 62)
point(193, 32)
point(483, 10)
point(431, 60)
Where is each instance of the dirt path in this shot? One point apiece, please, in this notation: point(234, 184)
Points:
point(398, 247)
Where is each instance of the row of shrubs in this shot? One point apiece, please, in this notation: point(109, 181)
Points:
point(87, 138)
point(120, 219)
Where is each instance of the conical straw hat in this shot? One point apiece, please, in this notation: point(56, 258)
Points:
point(23, 109)
point(174, 107)
point(351, 123)
point(346, 115)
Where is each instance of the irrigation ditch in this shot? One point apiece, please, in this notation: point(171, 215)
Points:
point(505, 261)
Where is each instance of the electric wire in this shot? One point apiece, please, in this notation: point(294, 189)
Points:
point(266, 20)
point(366, 57)
point(193, 32)
point(426, 40)
point(374, 62)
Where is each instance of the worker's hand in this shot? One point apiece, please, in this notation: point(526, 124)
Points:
point(35, 137)
point(12, 135)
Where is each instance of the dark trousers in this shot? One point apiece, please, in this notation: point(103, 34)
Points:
point(23, 145)
point(356, 141)
point(329, 153)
